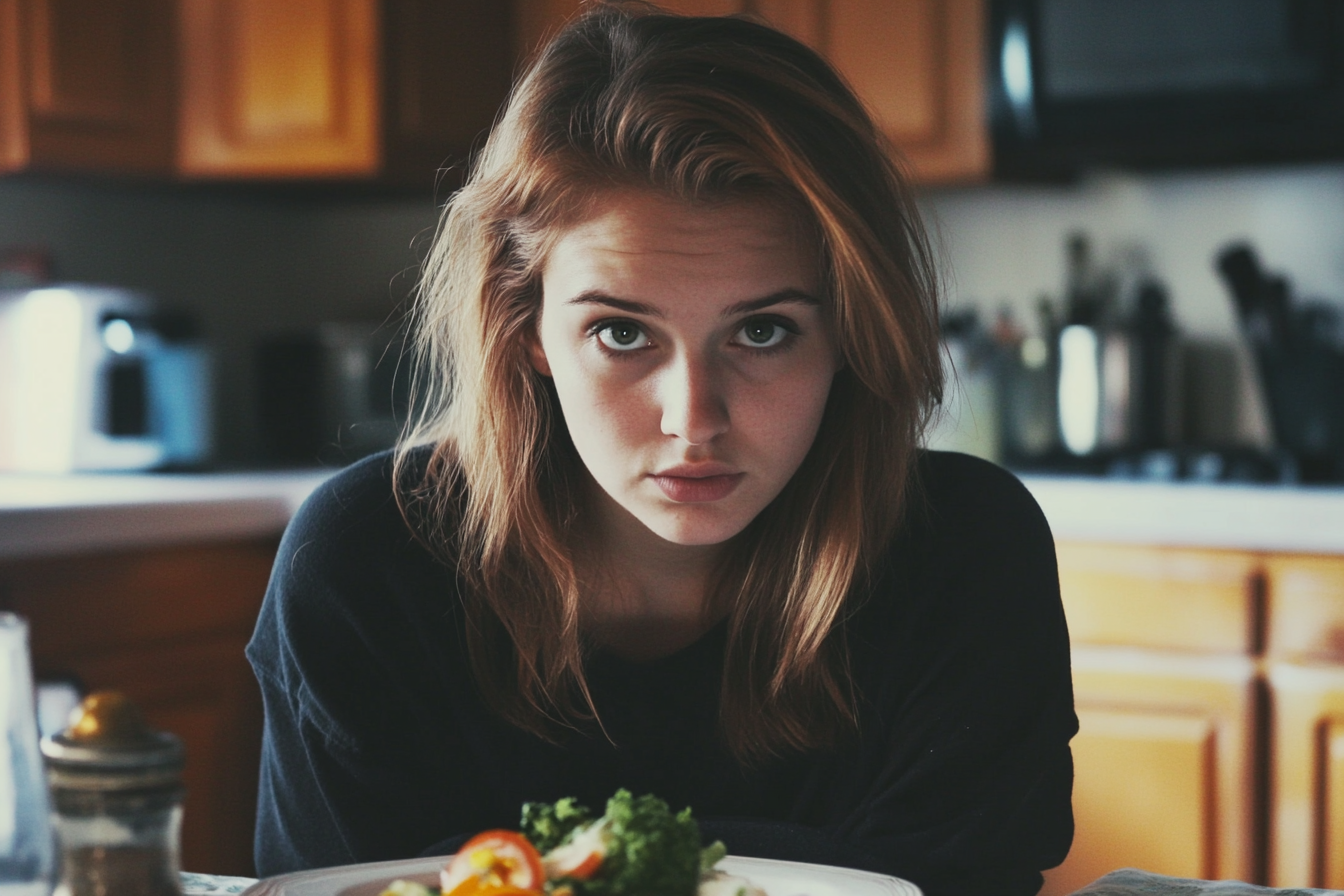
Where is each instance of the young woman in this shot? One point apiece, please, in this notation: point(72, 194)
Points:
point(665, 524)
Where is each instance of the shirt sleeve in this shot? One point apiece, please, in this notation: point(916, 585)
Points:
point(339, 656)
point(968, 765)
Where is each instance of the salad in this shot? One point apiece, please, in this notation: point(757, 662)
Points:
point(638, 847)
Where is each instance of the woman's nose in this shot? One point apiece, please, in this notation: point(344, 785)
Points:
point(693, 402)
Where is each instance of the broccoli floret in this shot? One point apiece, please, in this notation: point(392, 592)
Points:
point(548, 825)
point(650, 851)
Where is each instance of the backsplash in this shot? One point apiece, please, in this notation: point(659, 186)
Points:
point(251, 262)
point(246, 261)
point(1003, 244)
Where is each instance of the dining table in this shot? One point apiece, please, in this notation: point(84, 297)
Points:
point(1123, 882)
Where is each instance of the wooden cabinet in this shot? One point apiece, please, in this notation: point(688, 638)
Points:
point(1305, 646)
point(1166, 683)
point(917, 64)
point(87, 85)
point(168, 628)
point(1210, 694)
point(257, 89)
point(1164, 766)
point(273, 89)
point(447, 69)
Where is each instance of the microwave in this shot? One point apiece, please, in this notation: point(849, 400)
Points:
point(1163, 83)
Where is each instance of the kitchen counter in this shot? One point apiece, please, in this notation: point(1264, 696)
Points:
point(54, 515)
point(1293, 519)
point(46, 515)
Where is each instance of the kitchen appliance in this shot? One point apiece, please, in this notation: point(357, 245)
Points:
point(1163, 82)
point(1119, 385)
point(332, 394)
point(1299, 351)
point(98, 378)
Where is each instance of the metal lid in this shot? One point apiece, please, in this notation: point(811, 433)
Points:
point(108, 746)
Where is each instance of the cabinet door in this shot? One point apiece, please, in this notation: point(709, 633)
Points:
point(1165, 597)
point(919, 66)
point(279, 89)
point(167, 627)
point(86, 85)
point(1164, 767)
point(1305, 608)
point(447, 69)
point(1307, 816)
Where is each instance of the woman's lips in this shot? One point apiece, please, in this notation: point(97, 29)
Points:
point(696, 489)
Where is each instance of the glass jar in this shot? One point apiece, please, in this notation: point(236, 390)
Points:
point(116, 791)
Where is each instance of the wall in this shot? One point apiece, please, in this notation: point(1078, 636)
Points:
point(253, 261)
point(1004, 244)
point(247, 261)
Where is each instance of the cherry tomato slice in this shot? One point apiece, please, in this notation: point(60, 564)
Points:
point(494, 860)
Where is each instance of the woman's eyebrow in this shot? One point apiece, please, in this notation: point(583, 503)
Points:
point(783, 296)
point(597, 297)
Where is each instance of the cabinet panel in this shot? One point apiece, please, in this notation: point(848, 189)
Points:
point(13, 120)
point(271, 89)
point(167, 627)
point(1159, 597)
point(1305, 605)
point(441, 95)
point(1307, 817)
point(919, 65)
point(1165, 767)
point(114, 602)
point(87, 85)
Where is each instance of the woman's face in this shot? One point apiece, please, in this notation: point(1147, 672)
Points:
point(691, 355)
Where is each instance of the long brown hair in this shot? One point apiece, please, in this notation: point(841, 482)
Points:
point(701, 108)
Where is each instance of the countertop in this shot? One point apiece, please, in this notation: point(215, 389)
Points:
point(45, 515)
point(53, 515)
point(1295, 519)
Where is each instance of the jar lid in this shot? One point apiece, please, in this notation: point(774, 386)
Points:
point(108, 746)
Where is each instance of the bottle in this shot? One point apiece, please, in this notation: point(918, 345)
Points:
point(116, 788)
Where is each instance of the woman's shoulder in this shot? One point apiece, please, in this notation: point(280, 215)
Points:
point(974, 498)
point(358, 501)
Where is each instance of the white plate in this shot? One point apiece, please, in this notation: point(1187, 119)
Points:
point(775, 877)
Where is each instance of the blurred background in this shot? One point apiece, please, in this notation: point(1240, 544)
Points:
point(213, 212)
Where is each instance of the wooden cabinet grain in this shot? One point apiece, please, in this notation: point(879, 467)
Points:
point(1164, 766)
point(1305, 648)
point(250, 89)
point(278, 89)
point(917, 64)
point(87, 85)
point(1210, 695)
point(167, 627)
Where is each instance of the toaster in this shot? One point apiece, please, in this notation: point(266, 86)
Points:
point(97, 378)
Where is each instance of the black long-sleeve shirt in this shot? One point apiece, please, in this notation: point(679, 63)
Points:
point(378, 745)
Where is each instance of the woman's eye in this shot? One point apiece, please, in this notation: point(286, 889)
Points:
point(762, 333)
point(622, 336)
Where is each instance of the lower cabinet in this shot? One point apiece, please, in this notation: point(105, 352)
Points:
point(1307, 842)
point(1164, 766)
point(167, 627)
point(1210, 694)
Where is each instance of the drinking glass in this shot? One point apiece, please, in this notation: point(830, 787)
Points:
point(26, 844)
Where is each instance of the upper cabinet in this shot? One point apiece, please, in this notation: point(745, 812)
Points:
point(917, 64)
point(400, 90)
point(87, 85)
point(275, 89)
point(266, 89)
